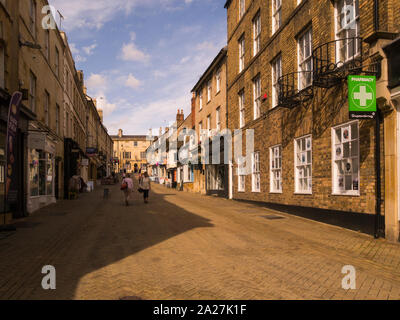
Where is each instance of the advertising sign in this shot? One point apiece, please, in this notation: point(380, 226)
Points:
point(362, 97)
point(12, 149)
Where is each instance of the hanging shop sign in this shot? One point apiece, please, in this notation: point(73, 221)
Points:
point(11, 148)
point(362, 97)
point(92, 152)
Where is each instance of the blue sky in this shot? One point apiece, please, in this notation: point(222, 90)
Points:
point(141, 58)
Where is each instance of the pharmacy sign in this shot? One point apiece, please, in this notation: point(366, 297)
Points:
point(362, 97)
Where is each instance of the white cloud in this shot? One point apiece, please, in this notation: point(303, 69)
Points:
point(94, 14)
point(89, 50)
point(132, 82)
point(74, 49)
point(105, 105)
point(130, 52)
point(96, 82)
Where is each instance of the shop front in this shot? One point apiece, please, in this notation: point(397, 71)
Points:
point(41, 171)
point(16, 209)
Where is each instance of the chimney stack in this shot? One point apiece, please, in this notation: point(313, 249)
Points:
point(180, 118)
point(120, 133)
point(100, 114)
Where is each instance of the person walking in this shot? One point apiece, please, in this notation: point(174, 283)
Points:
point(127, 188)
point(145, 186)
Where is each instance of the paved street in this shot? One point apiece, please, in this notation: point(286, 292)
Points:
point(187, 246)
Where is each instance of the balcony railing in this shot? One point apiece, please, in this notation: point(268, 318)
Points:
point(295, 88)
point(335, 60)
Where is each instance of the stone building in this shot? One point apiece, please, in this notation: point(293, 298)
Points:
point(74, 114)
point(288, 62)
point(185, 175)
point(9, 84)
point(35, 60)
point(130, 150)
point(41, 74)
point(209, 118)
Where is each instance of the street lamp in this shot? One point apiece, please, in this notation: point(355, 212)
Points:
point(29, 45)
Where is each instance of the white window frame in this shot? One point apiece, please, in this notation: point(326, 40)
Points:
point(242, 8)
point(275, 169)
point(218, 119)
point(303, 165)
point(257, 96)
point(276, 15)
point(255, 173)
point(276, 74)
point(242, 109)
point(201, 99)
point(241, 53)
point(218, 80)
point(305, 63)
point(341, 158)
point(241, 162)
point(209, 90)
point(256, 33)
point(346, 31)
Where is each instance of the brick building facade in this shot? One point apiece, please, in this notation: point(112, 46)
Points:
point(209, 118)
point(286, 79)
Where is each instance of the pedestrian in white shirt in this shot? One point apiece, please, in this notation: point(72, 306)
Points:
point(145, 185)
point(127, 188)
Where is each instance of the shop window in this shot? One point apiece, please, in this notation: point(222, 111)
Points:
point(303, 165)
point(34, 173)
point(346, 159)
point(41, 173)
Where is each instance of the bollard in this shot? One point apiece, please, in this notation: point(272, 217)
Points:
point(106, 193)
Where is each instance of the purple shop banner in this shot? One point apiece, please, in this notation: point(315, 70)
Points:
point(12, 149)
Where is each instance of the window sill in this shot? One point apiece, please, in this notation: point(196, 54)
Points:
point(347, 194)
point(302, 193)
point(258, 191)
point(276, 192)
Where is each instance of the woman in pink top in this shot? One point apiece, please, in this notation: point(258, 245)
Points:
point(128, 191)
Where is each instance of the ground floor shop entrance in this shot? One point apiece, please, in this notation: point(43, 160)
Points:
point(217, 180)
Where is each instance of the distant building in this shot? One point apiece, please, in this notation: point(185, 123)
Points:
point(129, 152)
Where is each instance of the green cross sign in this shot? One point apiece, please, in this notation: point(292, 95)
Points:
point(362, 97)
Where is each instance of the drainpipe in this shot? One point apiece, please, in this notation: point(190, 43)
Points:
point(378, 217)
point(376, 15)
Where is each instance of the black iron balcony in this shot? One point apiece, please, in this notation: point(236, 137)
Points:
point(335, 60)
point(295, 88)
